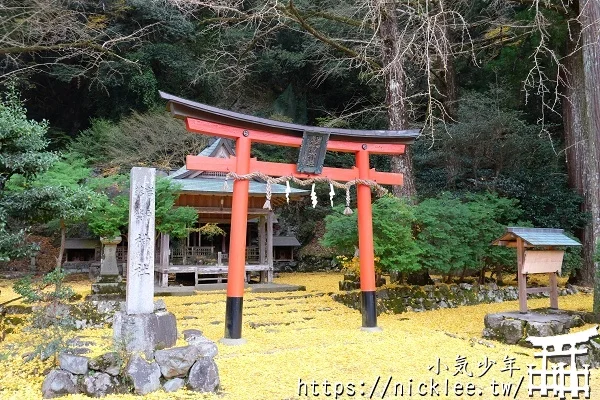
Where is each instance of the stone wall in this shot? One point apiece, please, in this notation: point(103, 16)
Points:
point(352, 281)
point(398, 299)
point(171, 369)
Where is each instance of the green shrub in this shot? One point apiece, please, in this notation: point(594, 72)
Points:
point(455, 234)
point(393, 221)
point(447, 234)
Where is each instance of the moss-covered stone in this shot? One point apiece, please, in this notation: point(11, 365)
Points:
point(108, 288)
point(470, 296)
point(111, 363)
point(429, 297)
point(444, 290)
point(515, 328)
point(17, 309)
point(428, 304)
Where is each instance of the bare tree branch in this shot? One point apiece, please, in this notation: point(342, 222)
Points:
point(38, 34)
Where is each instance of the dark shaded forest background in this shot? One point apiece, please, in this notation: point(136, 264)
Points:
point(494, 125)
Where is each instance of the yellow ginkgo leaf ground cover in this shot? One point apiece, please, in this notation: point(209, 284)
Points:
point(303, 343)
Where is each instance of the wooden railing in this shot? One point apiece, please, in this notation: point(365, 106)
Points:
point(200, 251)
point(122, 254)
point(191, 254)
point(252, 255)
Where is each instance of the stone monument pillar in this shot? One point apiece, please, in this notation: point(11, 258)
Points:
point(140, 255)
point(141, 327)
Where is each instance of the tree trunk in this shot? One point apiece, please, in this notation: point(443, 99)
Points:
point(574, 111)
point(582, 129)
point(450, 102)
point(63, 239)
point(590, 15)
point(395, 94)
point(403, 164)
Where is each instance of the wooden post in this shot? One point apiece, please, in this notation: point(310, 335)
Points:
point(365, 242)
point(553, 290)
point(237, 244)
point(164, 249)
point(248, 240)
point(262, 246)
point(184, 253)
point(270, 218)
point(521, 277)
point(262, 240)
point(199, 243)
point(164, 259)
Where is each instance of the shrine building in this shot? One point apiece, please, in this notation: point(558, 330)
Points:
point(211, 195)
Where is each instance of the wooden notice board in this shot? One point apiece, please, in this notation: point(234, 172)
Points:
point(542, 261)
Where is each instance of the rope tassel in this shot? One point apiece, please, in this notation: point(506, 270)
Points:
point(313, 196)
point(288, 190)
point(348, 210)
point(267, 204)
point(331, 193)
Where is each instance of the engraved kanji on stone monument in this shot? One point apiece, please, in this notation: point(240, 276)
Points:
point(140, 258)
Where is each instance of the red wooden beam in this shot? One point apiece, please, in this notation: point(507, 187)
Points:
point(232, 132)
point(201, 163)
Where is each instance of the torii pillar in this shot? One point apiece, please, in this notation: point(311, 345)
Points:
point(237, 244)
point(368, 300)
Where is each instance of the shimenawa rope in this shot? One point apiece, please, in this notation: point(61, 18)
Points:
point(306, 182)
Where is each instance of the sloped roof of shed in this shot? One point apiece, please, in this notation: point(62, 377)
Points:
point(285, 241)
point(536, 237)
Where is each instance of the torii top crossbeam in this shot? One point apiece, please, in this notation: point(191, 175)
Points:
point(314, 142)
point(184, 109)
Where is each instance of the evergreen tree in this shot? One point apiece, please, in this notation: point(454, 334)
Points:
point(22, 151)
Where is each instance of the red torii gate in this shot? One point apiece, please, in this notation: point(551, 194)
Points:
point(314, 142)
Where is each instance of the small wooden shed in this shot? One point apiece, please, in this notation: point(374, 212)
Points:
point(283, 247)
point(539, 250)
